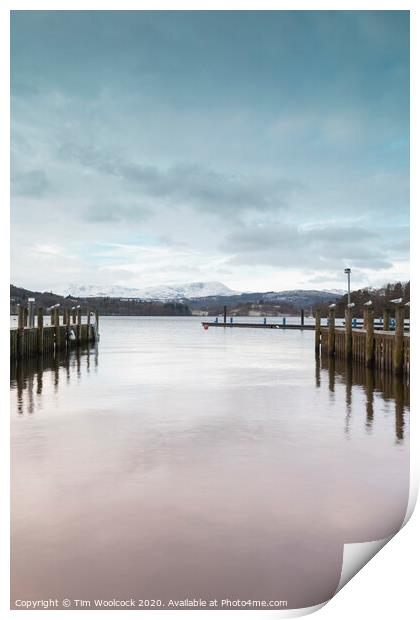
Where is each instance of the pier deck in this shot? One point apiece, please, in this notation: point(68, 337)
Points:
point(32, 338)
point(385, 349)
point(207, 324)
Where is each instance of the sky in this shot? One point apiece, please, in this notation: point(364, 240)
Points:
point(267, 150)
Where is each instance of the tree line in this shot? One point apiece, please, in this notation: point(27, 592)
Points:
point(380, 297)
point(110, 306)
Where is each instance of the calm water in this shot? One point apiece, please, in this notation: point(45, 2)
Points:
point(174, 462)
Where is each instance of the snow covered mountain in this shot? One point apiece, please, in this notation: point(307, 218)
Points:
point(190, 290)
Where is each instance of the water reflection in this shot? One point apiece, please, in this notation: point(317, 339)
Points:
point(30, 377)
point(393, 389)
point(200, 464)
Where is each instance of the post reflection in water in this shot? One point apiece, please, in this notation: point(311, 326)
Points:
point(400, 401)
point(317, 371)
point(331, 375)
point(391, 387)
point(349, 384)
point(39, 375)
point(369, 397)
point(29, 373)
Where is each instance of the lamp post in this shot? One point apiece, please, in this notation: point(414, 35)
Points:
point(347, 270)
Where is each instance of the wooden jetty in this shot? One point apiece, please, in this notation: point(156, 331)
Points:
point(32, 338)
point(207, 324)
point(255, 325)
point(376, 345)
point(382, 349)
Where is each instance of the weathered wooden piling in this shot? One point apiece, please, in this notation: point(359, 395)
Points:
point(348, 342)
point(369, 337)
point(399, 340)
point(224, 314)
point(381, 349)
point(302, 317)
point(88, 324)
point(20, 331)
point(40, 330)
point(73, 316)
point(31, 312)
point(67, 323)
point(56, 319)
point(78, 327)
point(331, 333)
point(20, 318)
point(29, 342)
point(317, 331)
point(386, 319)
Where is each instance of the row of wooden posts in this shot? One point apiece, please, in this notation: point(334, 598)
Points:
point(29, 340)
point(383, 349)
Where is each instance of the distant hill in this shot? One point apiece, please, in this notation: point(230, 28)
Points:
point(242, 304)
point(106, 306)
point(285, 301)
point(204, 294)
point(190, 290)
point(20, 295)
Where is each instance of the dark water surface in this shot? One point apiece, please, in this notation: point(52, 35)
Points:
point(174, 462)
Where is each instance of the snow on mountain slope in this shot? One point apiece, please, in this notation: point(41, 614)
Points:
point(162, 293)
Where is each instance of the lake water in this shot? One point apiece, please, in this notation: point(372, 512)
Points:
point(173, 462)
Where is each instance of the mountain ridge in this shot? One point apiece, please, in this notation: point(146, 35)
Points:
point(194, 291)
point(168, 292)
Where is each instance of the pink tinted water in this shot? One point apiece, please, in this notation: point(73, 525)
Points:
point(176, 462)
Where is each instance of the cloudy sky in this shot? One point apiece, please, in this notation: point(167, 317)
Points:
point(267, 150)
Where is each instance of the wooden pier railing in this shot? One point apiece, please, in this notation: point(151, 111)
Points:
point(32, 338)
point(382, 349)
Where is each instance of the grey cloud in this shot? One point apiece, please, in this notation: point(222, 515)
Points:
point(33, 183)
point(288, 246)
point(343, 234)
point(270, 235)
point(191, 185)
point(115, 213)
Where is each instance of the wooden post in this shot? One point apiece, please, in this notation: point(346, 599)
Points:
point(40, 330)
point(74, 316)
point(399, 340)
point(386, 320)
point(369, 338)
point(224, 314)
point(317, 330)
point(79, 329)
point(302, 318)
point(25, 317)
point(21, 334)
point(331, 333)
point(56, 318)
point(96, 325)
point(20, 317)
point(348, 342)
point(31, 311)
point(88, 325)
point(67, 319)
